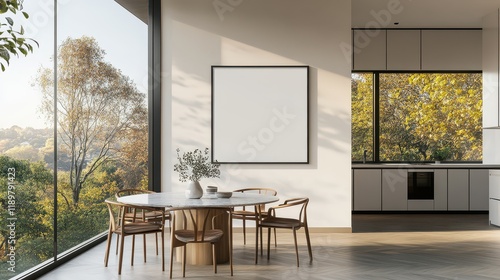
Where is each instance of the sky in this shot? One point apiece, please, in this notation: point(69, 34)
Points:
point(119, 33)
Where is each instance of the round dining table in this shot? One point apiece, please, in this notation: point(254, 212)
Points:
point(178, 200)
point(201, 254)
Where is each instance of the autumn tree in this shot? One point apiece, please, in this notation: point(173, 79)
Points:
point(96, 106)
point(362, 115)
point(422, 116)
point(12, 41)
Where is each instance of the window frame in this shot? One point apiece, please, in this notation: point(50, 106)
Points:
point(375, 159)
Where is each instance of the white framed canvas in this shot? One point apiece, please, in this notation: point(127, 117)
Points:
point(260, 114)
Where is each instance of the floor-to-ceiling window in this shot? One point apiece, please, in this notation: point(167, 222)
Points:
point(420, 117)
point(84, 88)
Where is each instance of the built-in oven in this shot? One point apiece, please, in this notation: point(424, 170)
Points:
point(420, 185)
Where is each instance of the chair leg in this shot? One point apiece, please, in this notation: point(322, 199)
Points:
point(156, 238)
point(244, 232)
point(261, 241)
point(268, 242)
point(296, 248)
point(214, 258)
point(275, 240)
point(117, 245)
point(257, 243)
point(108, 246)
point(144, 246)
point(231, 243)
point(162, 250)
point(171, 258)
point(306, 229)
point(184, 261)
point(133, 249)
point(120, 260)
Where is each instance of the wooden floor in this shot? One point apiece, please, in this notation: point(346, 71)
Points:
point(389, 246)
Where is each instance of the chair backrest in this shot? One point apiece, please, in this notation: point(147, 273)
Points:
point(126, 192)
point(263, 191)
point(198, 221)
point(301, 202)
point(115, 214)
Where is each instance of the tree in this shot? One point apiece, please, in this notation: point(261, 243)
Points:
point(422, 116)
point(96, 105)
point(12, 41)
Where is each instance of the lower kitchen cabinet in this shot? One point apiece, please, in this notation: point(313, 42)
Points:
point(394, 189)
point(458, 189)
point(440, 189)
point(367, 190)
point(478, 189)
point(455, 189)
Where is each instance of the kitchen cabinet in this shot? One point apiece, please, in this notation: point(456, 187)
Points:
point(478, 189)
point(458, 190)
point(367, 190)
point(441, 189)
point(455, 189)
point(494, 195)
point(403, 49)
point(451, 50)
point(369, 50)
point(394, 189)
point(422, 49)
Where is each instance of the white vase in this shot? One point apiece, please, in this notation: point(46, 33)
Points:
point(194, 190)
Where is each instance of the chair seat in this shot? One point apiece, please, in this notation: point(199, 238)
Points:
point(148, 215)
point(211, 235)
point(243, 214)
point(141, 227)
point(281, 223)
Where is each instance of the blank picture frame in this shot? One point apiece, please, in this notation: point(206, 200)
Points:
point(260, 114)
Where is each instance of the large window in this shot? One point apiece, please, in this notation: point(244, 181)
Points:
point(420, 117)
point(98, 131)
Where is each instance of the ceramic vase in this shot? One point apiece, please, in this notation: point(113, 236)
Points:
point(194, 190)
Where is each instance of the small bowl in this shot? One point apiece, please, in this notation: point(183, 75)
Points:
point(211, 189)
point(224, 194)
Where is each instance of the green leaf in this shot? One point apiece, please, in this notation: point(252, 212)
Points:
point(25, 14)
point(24, 51)
point(10, 21)
point(22, 30)
point(5, 55)
point(3, 67)
point(3, 6)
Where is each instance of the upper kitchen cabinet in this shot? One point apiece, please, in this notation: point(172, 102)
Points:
point(451, 50)
point(417, 50)
point(369, 49)
point(403, 49)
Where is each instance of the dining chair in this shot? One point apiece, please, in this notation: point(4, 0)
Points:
point(246, 215)
point(118, 225)
point(271, 220)
point(149, 216)
point(198, 227)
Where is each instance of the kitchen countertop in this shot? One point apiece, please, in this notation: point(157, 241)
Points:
point(424, 166)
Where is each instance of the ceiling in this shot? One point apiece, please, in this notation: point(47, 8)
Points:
point(139, 8)
point(421, 13)
point(384, 13)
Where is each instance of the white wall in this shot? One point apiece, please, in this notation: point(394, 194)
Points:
point(198, 34)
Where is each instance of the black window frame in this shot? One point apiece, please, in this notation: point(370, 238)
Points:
point(376, 112)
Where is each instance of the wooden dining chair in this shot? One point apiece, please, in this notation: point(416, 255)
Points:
point(137, 215)
point(246, 215)
point(118, 225)
point(197, 227)
point(271, 220)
